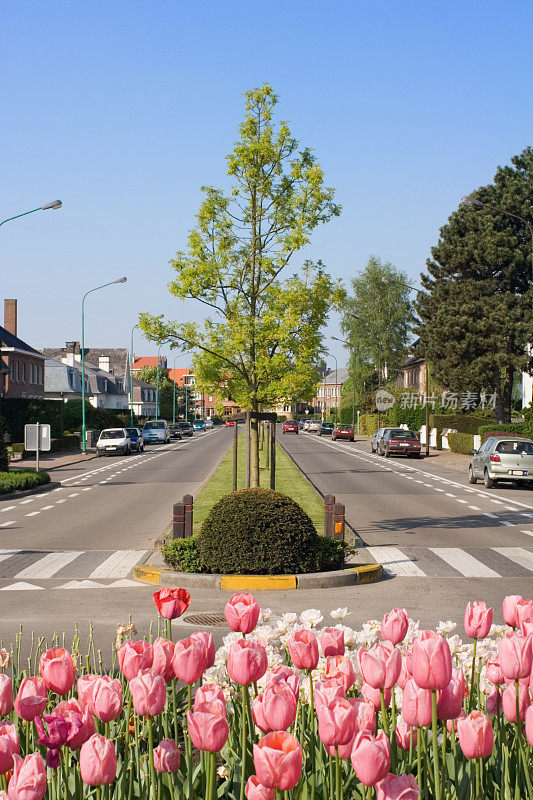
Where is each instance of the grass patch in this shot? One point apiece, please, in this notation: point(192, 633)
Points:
point(18, 480)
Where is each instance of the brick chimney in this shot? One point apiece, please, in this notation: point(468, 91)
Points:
point(10, 316)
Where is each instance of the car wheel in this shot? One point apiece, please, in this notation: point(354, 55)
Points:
point(99, 455)
point(387, 454)
point(352, 440)
point(488, 481)
point(471, 477)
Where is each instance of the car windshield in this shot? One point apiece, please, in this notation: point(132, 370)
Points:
point(112, 434)
point(327, 425)
point(157, 424)
point(183, 424)
point(401, 434)
point(515, 447)
point(132, 431)
point(344, 427)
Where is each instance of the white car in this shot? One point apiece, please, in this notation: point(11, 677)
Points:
point(112, 441)
point(209, 423)
point(313, 425)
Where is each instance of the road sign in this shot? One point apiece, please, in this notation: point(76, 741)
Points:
point(37, 437)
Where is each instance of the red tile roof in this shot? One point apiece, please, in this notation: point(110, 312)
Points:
point(177, 375)
point(145, 361)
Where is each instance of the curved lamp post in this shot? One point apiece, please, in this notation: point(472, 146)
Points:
point(47, 207)
point(119, 280)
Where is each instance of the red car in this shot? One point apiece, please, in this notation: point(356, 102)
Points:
point(291, 426)
point(398, 441)
point(230, 423)
point(342, 432)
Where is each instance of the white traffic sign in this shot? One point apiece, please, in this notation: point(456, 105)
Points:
point(37, 437)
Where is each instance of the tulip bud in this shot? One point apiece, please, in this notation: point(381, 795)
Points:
point(208, 643)
point(107, 698)
point(476, 736)
point(494, 672)
point(327, 691)
point(336, 722)
point(478, 619)
point(340, 667)
point(371, 757)
point(57, 670)
point(397, 787)
point(133, 656)
point(9, 746)
point(509, 609)
point(365, 715)
point(28, 781)
point(188, 661)
point(256, 791)
point(509, 702)
point(380, 666)
point(6, 695)
point(167, 756)
point(432, 661)
point(85, 686)
point(332, 641)
point(416, 705)
point(31, 698)
point(171, 603)
point(208, 728)
point(394, 626)
point(450, 699)
point(247, 662)
point(98, 761)
point(278, 760)
point(303, 650)
point(163, 652)
point(406, 735)
point(515, 656)
point(149, 693)
point(373, 696)
point(279, 707)
point(242, 612)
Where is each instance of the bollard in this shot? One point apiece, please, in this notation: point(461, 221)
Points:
point(188, 501)
point(329, 502)
point(178, 521)
point(338, 521)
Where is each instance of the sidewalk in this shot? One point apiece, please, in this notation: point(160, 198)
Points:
point(51, 461)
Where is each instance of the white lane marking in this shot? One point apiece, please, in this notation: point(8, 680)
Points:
point(63, 500)
point(511, 508)
point(87, 489)
point(5, 554)
point(74, 494)
point(529, 533)
point(449, 495)
point(395, 562)
point(118, 564)
point(488, 514)
point(33, 514)
point(8, 508)
point(29, 500)
point(474, 508)
point(45, 508)
point(518, 555)
point(461, 501)
point(504, 522)
point(20, 586)
point(438, 490)
point(5, 524)
point(48, 565)
point(464, 563)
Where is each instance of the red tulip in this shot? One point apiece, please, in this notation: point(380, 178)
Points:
point(371, 757)
point(31, 698)
point(509, 702)
point(494, 672)
point(515, 655)
point(432, 661)
point(85, 686)
point(303, 650)
point(258, 714)
point(327, 691)
point(380, 666)
point(149, 693)
point(133, 656)
point(163, 653)
point(279, 707)
point(406, 735)
point(167, 756)
point(509, 609)
point(208, 643)
point(406, 670)
point(397, 787)
point(286, 676)
point(478, 619)
point(208, 728)
point(28, 781)
point(332, 641)
point(247, 662)
point(98, 761)
point(57, 670)
point(80, 721)
point(256, 791)
point(188, 661)
point(278, 760)
point(529, 725)
point(6, 695)
point(476, 737)
point(242, 612)
point(9, 746)
point(416, 705)
point(373, 696)
point(365, 715)
point(336, 722)
point(340, 667)
point(450, 699)
point(394, 625)
point(171, 603)
point(107, 698)
point(209, 693)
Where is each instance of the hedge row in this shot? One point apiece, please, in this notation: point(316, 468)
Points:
point(461, 442)
point(22, 479)
point(463, 423)
point(19, 411)
point(494, 430)
point(67, 442)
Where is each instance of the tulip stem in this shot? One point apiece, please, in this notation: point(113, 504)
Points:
point(151, 755)
point(331, 778)
point(189, 743)
point(436, 770)
point(313, 737)
point(419, 756)
point(384, 716)
point(243, 739)
point(338, 774)
point(472, 678)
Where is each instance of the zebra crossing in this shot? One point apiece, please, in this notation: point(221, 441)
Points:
point(454, 562)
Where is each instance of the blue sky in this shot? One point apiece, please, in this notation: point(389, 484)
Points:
point(124, 110)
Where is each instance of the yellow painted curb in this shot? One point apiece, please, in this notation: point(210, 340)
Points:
point(368, 573)
point(147, 574)
point(256, 582)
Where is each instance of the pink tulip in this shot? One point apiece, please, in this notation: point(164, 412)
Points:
point(278, 760)
point(149, 693)
point(432, 661)
point(373, 696)
point(171, 603)
point(258, 714)
point(494, 672)
point(332, 641)
point(509, 702)
point(365, 715)
point(524, 611)
point(208, 643)
point(256, 791)
point(303, 650)
point(406, 670)
point(163, 653)
point(9, 746)
point(57, 670)
point(285, 675)
point(398, 787)
point(416, 705)
point(107, 698)
point(247, 662)
point(188, 661)
point(380, 666)
point(529, 725)
point(209, 693)
point(450, 699)
point(6, 695)
point(515, 655)
point(85, 686)
point(167, 756)
point(394, 626)
point(340, 667)
point(478, 619)
point(279, 707)
point(98, 761)
point(509, 609)
point(79, 719)
point(371, 757)
point(494, 702)
point(476, 736)
point(242, 612)
point(451, 724)
point(208, 728)
point(336, 722)
point(406, 735)
point(327, 691)
point(133, 656)
point(28, 781)
point(526, 628)
point(31, 698)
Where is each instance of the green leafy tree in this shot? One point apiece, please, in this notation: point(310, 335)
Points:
point(149, 375)
point(476, 313)
point(264, 335)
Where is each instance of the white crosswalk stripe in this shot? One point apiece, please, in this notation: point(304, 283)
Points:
point(73, 566)
point(517, 554)
point(394, 562)
point(464, 563)
point(118, 565)
point(453, 562)
point(47, 566)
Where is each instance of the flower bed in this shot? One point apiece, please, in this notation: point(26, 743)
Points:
point(18, 480)
point(286, 708)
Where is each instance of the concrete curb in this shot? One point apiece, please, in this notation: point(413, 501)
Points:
point(44, 487)
point(58, 466)
point(156, 576)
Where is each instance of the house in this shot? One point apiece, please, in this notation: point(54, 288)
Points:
point(329, 390)
point(413, 373)
point(140, 362)
point(22, 367)
point(143, 399)
point(206, 405)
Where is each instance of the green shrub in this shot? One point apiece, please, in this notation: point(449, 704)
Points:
point(368, 424)
point(463, 423)
point(258, 531)
point(494, 430)
point(216, 419)
point(461, 442)
point(65, 442)
point(17, 480)
point(183, 555)
point(330, 554)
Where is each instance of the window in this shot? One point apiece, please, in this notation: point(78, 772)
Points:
point(210, 398)
point(15, 370)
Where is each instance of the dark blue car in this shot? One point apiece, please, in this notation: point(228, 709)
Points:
point(136, 439)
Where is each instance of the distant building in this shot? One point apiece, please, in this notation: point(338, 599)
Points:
point(329, 390)
point(140, 362)
point(412, 375)
point(144, 398)
point(22, 367)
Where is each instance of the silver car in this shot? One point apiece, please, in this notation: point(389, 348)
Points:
point(502, 459)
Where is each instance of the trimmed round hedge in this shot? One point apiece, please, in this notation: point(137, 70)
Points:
point(258, 532)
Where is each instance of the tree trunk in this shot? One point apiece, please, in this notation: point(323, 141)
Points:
point(254, 448)
point(507, 393)
point(498, 404)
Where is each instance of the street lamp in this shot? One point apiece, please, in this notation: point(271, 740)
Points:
point(119, 280)
point(48, 206)
point(342, 341)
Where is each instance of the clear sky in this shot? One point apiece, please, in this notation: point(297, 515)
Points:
point(124, 109)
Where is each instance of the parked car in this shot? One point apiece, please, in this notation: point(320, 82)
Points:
point(376, 438)
point(301, 424)
point(502, 459)
point(229, 423)
point(399, 441)
point(185, 428)
point(136, 439)
point(156, 431)
point(175, 431)
point(326, 429)
point(342, 432)
point(112, 441)
point(313, 425)
point(290, 426)
point(198, 425)
point(209, 423)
